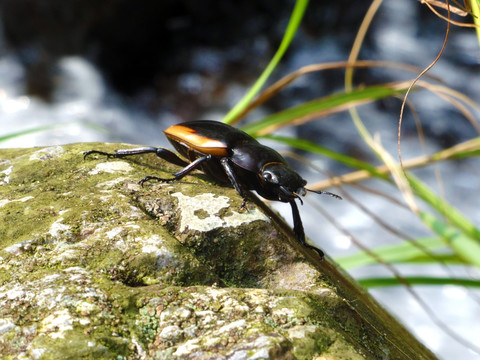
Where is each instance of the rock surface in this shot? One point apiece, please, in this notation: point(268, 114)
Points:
point(94, 266)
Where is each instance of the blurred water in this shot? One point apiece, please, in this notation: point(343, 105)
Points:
point(85, 109)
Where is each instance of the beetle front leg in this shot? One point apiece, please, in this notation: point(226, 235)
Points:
point(179, 174)
point(298, 229)
point(233, 179)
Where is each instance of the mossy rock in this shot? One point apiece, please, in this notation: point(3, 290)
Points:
point(94, 266)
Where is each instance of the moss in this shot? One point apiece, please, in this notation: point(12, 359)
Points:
point(77, 345)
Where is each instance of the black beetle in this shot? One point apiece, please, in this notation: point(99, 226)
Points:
point(229, 155)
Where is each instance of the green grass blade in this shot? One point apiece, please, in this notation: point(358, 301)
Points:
point(452, 215)
point(475, 6)
point(96, 127)
point(50, 127)
point(293, 24)
point(463, 245)
point(340, 101)
point(398, 253)
point(418, 280)
point(26, 132)
point(311, 147)
point(465, 149)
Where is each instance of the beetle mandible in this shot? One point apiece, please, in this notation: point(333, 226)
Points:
point(229, 155)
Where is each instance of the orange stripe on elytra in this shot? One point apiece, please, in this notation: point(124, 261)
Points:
point(193, 139)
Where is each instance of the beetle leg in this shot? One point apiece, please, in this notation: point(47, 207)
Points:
point(165, 154)
point(298, 229)
point(179, 174)
point(122, 152)
point(170, 156)
point(233, 179)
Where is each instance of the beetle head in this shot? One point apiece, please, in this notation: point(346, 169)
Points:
point(286, 183)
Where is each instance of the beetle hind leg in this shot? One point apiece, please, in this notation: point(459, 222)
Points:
point(90, 152)
point(162, 153)
point(170, 156)
point(121, 153)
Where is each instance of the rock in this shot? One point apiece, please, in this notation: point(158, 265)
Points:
point(94, 266)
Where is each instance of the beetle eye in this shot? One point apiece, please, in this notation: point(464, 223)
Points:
point(270, 177)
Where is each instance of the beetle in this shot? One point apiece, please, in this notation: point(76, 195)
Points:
point(229, 155)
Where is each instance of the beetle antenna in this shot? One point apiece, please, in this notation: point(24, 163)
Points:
point(320, 192)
